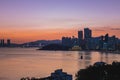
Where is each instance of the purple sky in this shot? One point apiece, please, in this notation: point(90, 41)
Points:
point(53, 13)
point(56, 14)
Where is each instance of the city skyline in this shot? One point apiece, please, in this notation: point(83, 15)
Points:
point(29, 20)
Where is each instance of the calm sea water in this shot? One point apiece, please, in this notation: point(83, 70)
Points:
point(22, 62)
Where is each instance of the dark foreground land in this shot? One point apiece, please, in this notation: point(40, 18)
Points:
point(56, 75)
point(100, 71)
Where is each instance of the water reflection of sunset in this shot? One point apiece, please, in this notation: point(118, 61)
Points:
point(22, 62)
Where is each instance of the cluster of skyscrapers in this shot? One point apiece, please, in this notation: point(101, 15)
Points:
point(3, 44)
point(87, 42)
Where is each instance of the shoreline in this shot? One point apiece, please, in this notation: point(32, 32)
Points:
point(102, 51)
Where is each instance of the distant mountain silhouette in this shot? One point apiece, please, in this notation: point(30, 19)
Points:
point(40, 42)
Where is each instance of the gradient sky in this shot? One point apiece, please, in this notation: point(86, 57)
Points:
point(29, 20)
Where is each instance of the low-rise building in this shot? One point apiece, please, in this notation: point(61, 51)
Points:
point(60, 75)
point(56, 75)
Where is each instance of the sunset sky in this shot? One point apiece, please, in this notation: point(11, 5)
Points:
point(30, 20)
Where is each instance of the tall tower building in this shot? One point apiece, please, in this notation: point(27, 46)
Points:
point(80, 38)
point(2, 42)
point(8, 42)
point(106, 37)
point(80, 35)
point(87, 33)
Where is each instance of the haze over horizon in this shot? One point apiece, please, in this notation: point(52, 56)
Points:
point(29, 20)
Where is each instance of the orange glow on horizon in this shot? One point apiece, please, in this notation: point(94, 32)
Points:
point(21, 36)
